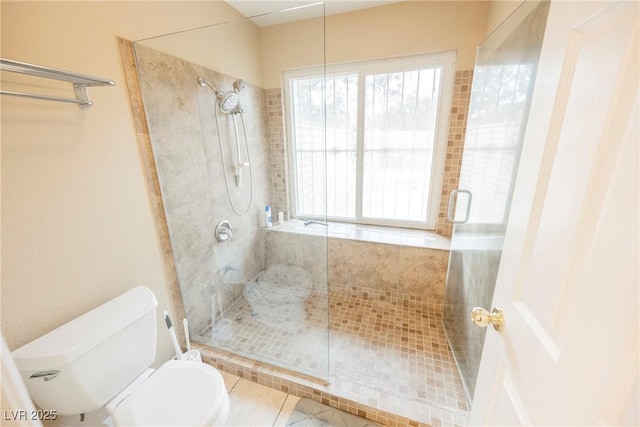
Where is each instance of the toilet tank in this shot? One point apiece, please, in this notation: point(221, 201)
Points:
point(81, 365)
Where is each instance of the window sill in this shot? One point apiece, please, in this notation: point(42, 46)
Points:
point(366, 233)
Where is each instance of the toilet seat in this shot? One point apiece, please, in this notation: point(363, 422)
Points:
point(179, 393)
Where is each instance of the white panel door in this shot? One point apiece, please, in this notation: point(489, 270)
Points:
point(568, 281)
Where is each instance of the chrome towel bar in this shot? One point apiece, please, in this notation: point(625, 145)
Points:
point(80, 82)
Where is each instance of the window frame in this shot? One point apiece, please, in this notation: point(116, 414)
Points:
point(446, 60)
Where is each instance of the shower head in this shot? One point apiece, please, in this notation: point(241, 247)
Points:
point(229, 102)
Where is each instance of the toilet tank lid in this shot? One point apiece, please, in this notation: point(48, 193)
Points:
point(64, 344)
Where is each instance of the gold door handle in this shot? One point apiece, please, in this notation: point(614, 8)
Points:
point(483, 318)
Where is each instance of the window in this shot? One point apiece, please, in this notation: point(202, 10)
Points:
point(368, 139)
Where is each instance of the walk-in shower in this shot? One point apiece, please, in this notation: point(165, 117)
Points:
point(361, 319)
point(218, 148)
point(229, 103)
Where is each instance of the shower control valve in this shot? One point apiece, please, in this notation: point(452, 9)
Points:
point(223, 231)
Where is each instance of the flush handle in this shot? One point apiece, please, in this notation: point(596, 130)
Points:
point(45, 375)
point(483, 318)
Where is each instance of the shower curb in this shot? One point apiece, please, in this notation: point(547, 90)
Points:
point(316, 389)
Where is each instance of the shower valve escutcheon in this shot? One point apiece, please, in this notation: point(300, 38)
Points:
point(223, 231)
point(483, 318)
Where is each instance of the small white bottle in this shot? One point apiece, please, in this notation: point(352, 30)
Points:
point(267, 211)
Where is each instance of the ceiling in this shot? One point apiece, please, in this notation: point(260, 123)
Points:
point(273, 12)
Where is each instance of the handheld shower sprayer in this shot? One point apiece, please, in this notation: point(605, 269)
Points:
point(229, 103)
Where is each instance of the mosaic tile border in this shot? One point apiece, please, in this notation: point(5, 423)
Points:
point(279, 163)
point(455, 145)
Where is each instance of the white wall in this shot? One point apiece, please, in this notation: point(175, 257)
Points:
point(405, 28)
point(499, 11)
point(232, 48)
point(77, 229)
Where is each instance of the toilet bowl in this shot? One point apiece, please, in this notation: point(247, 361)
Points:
point(179, 393)
point(102, 358)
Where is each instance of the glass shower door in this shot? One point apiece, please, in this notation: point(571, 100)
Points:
point(248, 287)
point(503, 81)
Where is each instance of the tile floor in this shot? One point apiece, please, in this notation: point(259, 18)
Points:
point(252, 404)
point(309, 413)
point(381, 354)
point(285, 327)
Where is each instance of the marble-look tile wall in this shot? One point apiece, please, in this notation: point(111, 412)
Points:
point(182, 124)
point(308, 252)
point(379, 270)
point(402, 272)
point(471, 284)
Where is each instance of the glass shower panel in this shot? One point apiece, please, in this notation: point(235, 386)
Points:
point(503, 81)
point(216, 130)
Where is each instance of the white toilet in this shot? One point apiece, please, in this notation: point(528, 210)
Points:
point(102, 358)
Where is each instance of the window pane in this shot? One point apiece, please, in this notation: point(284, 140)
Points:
point(338, 162)
point(399, 133)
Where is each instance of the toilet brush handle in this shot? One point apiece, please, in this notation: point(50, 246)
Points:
point(185, 325)
point(172, 334)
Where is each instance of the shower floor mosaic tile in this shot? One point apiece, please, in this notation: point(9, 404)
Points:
point(281, 326)
point(383, 354)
